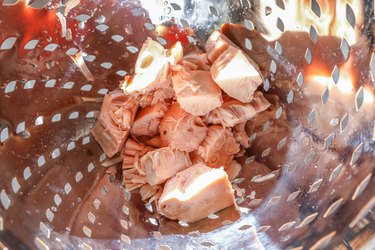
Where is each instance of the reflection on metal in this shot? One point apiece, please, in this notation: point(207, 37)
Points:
point(315, 186)
point(3, 246)
point(263, 229)
point(46, 231)
point(41, 244)
point(323, 242)
point(286, 226)
point(54, 172)
point(293, 195)
point(87, 231)
point(362, 186)
point(85, 246)
point(335, 173)
point(356, 153)
point(308, 220)
point(333, 207)
point(273, 200)
point(4, 199)
point(362, 213)
point(125, 239)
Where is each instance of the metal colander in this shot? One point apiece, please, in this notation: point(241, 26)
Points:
point(307, 180)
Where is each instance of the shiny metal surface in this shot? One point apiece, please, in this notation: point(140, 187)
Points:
point(307, 181)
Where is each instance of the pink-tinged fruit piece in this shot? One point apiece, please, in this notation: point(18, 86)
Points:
point(216, 44)
point(132, 179)
point(133, 176)
point(150, 193)
point(219, 147)
point(195, 193)
point(133, 147)
point(233, 112)
point(161, 90)
point(195, 158)
point(236, 74)
point(200, 60)
point(149, 67)
point(131, 153)
point(148, 119)
point(115, 120)
point(240, 135)
point(155, 142)
point(151, 81)
point(161, 164)
point(196, 92)
point(175, 53)
point(180, 130)
point(233, 170)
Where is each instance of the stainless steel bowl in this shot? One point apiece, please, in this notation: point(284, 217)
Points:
point(313, 186)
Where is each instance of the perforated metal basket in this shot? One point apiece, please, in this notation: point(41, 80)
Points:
point(307, 180)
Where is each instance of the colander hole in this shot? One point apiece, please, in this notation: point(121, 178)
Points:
point(82, 17)
point(121, 73)
point(86, 87)
point(26, 173)
point(72, 51)
point(5, 200)
point(68, 85)
point(20, 127)
point(51, 47)
point(39, 121)
point(117, 38)
point(362, 186)
point(286, 226)
point(103, 91)
point(15, 185)
point(91, 217)
point(71, 146)
point(56, 118)
point(41, 161)
point(41, 244)
point(67, 188)
point(49, 215)
point(85, 246)
point(87, 231)
point(55, 153)
point(89, 58)
point(79, 176)
point(333, 208)
point(293, 195)
point(29, 84)
point(96, 203)
point(308, 220)
point(90, 167)
point(8, 43)
point(125, 209)
point(57, 199)
point(125, 239)
point(315, 186)
point(124, 224)
point(30, 45)
point(86, 140)
point(74, 115)
point(10, 87)
point(106, 65)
